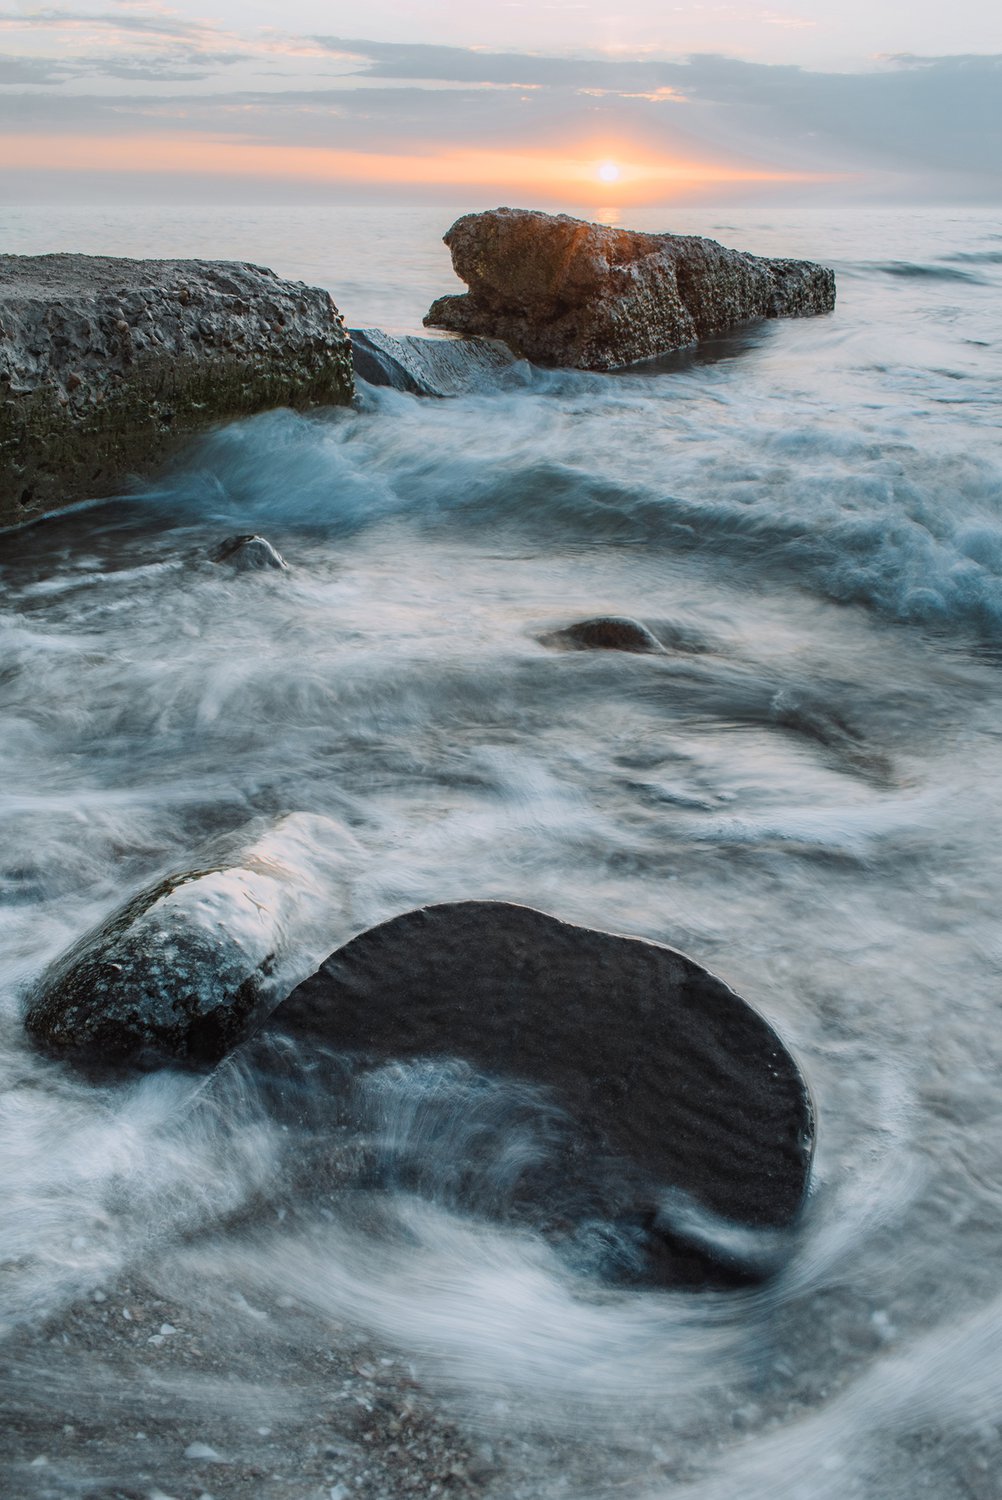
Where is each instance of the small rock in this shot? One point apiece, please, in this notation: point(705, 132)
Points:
point(191, 965)
point(605, 633)
point(249, 554)
point(428, 367)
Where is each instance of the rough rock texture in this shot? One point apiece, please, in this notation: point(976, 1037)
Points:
point(427, 367)
point(688, 1119)
point(605, 633)
point(189, 966)
point(564, 292)
point(106, 363)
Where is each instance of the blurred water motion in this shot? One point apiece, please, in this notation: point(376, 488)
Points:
point(802, 793)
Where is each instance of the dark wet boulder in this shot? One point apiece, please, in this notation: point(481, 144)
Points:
point(249, 554)
point(564, 292)
point(428, 367)
point(687, 1124)
point(605, 633)
point(107, 365)
point(189, 966)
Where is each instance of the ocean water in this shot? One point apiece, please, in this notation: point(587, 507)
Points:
point(803, 794)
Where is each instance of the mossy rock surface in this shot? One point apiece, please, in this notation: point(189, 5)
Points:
point(106, 365)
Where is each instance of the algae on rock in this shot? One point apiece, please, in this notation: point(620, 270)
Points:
point(105, 364)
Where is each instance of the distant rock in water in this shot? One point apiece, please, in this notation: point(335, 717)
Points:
point(689, 1122)
point(605, 633)
point(249, 554)
point(427, 367)
point(564, 292)
point(187, 968)
point(105, 364)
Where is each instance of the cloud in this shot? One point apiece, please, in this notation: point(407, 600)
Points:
point(148, 21)
point(30, 70)
point(933, 121)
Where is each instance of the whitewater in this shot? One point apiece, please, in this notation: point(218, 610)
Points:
point(802, 794)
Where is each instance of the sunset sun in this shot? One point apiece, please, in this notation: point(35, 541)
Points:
point(607, 171)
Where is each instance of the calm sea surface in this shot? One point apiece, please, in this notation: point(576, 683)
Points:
point(806, 798)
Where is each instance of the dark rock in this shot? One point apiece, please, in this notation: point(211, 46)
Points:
point(427, 367)
point(564, 292)
point(605, 633)
point(249, 554)
point(106, 364)
point(689, 1122)
point(187, 968)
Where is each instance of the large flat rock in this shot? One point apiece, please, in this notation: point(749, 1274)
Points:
point(105, 364)
point(685, 1116)
point(564, 292)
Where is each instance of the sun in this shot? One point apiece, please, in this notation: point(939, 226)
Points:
point(607, 171)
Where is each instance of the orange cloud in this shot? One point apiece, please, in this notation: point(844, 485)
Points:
point(549, 172)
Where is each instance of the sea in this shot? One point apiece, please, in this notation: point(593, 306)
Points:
point(803, 794)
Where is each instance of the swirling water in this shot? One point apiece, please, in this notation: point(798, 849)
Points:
point(802, 793)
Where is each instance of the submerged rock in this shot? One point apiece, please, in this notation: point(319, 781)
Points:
point(188, 967)
point(249, 554)
point(427, 367)
point(105, 364)
point(564, 292)
point(605, 633)
point(688, 1122)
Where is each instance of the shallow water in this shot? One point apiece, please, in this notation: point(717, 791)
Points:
point(802, 794)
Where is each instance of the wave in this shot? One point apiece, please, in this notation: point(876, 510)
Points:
point(917, 271)
point(911, 532)
point(975, 258)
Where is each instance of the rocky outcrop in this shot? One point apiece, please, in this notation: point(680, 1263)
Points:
point(688, 1124)
point(564, 292)
point(106, 363)
point(428, 367)
point(187, 968)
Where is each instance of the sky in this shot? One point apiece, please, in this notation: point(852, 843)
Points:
point(544, 103)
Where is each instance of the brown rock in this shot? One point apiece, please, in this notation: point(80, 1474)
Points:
point(564, 292)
